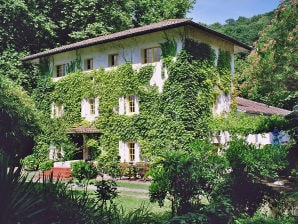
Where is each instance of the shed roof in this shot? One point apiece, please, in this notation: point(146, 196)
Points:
point(83, 130)
point(163, 25)
point(253, 107)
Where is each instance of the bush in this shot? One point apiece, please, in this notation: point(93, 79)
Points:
point(30, 163)
point(83, 170)
point(46, 165)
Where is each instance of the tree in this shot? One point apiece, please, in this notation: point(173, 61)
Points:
point(272, 75)
point(18, 119)
point(244, 29)
point(184, 176)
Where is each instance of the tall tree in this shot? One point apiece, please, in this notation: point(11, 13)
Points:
point(245, 29)
point(272, 76)
point(18, 119)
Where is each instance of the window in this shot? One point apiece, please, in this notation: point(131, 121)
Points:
point(128, 105)
point(152, 54)
point(131, 151)
point(131, 104)
point(89, 64)
point(113, 60)
point(89, 108)
point(60, 70)
point(57, 110)
point(56, 152)
point(92, 106)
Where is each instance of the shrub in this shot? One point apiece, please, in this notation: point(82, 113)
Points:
point(83, 170)
point(46, 165)
point(30, 163)
point(93, 145)
point(183, 176)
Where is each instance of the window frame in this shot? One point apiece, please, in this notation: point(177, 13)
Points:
point(92, 108)
point(88, 64)
point(60, 70)
point(113, 60)
point(131, 147)
point(151, 58)
point(131, 104)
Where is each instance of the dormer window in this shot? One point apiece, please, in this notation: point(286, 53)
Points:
point(151, 55)
point(88, 64)
point(60, 70)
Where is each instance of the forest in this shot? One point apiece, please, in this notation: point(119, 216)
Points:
point(268, 74)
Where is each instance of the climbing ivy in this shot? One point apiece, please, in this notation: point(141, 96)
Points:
point(168, 120)
point(249, 124)
point(199, 51)
point(224, 59)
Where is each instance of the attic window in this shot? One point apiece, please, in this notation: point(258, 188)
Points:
point(151, 54)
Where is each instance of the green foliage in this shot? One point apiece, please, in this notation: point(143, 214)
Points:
point(224, 60)
point(271, 76)
point(145, 74)
point(75, 65)
point(249, 124)
point(182, 176)
point(183, 109)
point(19, 202)
point(258, 219)
point(249, 165)
point(200, 51)
point(254, 161)
point(46, 165)
point(168, 48)
point(18, 119)
point(106, 191)
point(83, 170)
point(93, 146)
point(244, 29)
point(30, 163)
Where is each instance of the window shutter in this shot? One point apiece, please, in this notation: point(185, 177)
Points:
point(126, 105)
point(62, 111)
point(137, 152)
point(122, 150)
point(53, 110)
point(83, 108)
point(137, 107)
point(121, 105)
point(96, 101)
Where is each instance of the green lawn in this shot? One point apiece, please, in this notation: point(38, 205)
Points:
point(132, 201)
point(144, 186)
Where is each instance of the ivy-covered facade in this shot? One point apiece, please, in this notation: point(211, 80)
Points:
point(145, 90)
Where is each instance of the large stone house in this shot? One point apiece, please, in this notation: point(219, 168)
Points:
point(140, 46)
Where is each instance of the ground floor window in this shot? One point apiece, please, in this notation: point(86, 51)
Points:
point(129, 152)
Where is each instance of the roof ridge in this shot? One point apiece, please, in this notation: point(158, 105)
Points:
point(154, 27)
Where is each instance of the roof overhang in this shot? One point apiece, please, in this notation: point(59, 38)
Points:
point(83, 130)
point(155, 27)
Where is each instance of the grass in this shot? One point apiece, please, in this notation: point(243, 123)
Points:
point(131, 185)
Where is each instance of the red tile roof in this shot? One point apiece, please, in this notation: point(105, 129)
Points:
point(83, 130)
point(253, 107)
point(167, 24)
